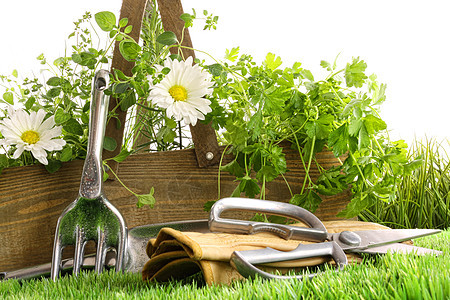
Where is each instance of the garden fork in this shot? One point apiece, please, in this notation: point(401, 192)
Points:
point(91, 216)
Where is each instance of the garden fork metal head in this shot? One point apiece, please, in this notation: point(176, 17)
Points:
point(91, 216)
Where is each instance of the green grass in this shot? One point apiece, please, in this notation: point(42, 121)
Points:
point(423, 198)
point(378, 277)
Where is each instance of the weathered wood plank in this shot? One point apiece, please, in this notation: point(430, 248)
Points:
point(133, 10)
point(31, 199)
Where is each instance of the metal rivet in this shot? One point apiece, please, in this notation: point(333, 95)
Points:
point(209, 155)
point(350, 238)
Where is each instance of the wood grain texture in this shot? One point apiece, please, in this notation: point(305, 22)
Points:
point(31, 199)
point(203, 135)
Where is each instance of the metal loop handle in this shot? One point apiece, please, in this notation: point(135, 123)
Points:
point(243, 261)
point(317, 232)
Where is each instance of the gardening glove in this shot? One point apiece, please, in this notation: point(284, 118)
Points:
point(176, 255)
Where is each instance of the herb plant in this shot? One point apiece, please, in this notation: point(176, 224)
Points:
point(66, 93)
point(259, 106)
point(254, 108)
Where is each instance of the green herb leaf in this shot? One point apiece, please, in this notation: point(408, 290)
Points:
point(105, 174)
point(326, 65)
point(320, 128)
point(307, 74)
point(61, 117)
point(8, 97)
point(72, 126)
point(53, 165)
point(363, 138)
point(267, 173)
point(167, 38)
point(129, 49)
point(128, 29)
point(215, 69)
point(54, 81)
point(354, 73)
point(122, 155)
point(85, 118)
point(249, 186)
point(109, 143)
point(121, 87)
point(123, 22)
point(66, 154)
point(309, 201)
point(147, 199)
point(188, 19)
point(3, 161)
point(413, 165)
point(233, 168)
point(128, 101)
point(207, 206)
point(355, 126)
point(272, 61)
point(30, 102)
point(255, 124)
point(53, 92)
point(356, 205)
point(374, 124)
point(236, 192)
point(105, 20)
point(232, 54)
point(338, 140)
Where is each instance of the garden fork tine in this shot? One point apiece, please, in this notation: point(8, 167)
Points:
point(91, 216)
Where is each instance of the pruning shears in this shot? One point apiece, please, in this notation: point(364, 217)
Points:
point(329, 244)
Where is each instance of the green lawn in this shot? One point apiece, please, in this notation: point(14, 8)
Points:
point(384, 277)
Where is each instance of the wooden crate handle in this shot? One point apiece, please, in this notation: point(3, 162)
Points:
point(203, 135)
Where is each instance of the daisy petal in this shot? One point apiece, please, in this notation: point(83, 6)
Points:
point(196, 83)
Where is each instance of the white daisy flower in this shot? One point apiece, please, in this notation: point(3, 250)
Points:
point(31, 133)
point(182, 90)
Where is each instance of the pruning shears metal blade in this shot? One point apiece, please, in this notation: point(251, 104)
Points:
point(370, 241)
point(376, 238)
point(402, 249)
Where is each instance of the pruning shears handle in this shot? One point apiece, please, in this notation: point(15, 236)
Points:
point(315, 233)
point(244, 261)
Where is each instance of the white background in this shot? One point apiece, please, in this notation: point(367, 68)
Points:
point(406, 43)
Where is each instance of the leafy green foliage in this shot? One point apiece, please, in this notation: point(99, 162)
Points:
point(167, 38)
point(146, 199)
point(67, 91)
point(263, 105)
point(106, 20)
point(422, 196)
point(254, 108)
point(129, 49)
point(354, 73)
point(8, 97)
point(232, 54)
point(109, 143)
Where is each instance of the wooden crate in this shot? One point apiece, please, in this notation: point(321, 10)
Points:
point(31, 199)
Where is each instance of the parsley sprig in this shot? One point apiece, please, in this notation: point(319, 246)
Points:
point(256, 107)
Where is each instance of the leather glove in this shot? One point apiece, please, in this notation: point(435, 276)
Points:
point(176, 255)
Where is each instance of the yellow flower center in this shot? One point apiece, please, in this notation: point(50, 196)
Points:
point(178, 93)
point(30, 137)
